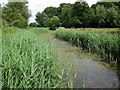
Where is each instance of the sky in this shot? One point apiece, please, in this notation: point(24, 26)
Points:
point(39, 5)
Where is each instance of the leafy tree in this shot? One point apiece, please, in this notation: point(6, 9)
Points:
point(33, 24)
point(80, 9)
point(41, 18)
point(13, 12)
point(51, 11)
point(53, 23)
point(66, 15)
point(113, 18)
point(100, 13)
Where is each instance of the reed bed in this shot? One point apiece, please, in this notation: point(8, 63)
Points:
point(106, 44)
point(28, 62)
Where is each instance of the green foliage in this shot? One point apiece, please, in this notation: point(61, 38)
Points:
point(33, 24)
point(4, 23)
point(15, 13)
point(65, 15)
point(100, 15)
point(53, 23)
point(41, 18)
point(96, 41)
point(28, 62)
point(113, 17)
point(51, 11)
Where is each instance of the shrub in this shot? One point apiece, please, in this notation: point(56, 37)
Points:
point(33, 24)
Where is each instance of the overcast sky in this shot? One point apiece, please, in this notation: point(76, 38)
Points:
point(39, 5)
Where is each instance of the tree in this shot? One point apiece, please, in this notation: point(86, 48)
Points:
point(53, 23)
point(41, 18)
point(100, 13)
point(80, 9)
point(113, 18)
point(16, 11)
point(66, 15)
point(51, 11)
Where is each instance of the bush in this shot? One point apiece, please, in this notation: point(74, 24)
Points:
point(33, 24)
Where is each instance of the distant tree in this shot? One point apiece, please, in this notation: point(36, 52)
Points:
point(113, 17)
point(51, 11)
point(13, 12)
point(66, 15)
point(53, 23)
point(80, 9)
point(41, 18)
point(91, 17)
point(33, 24)
point(100, 17)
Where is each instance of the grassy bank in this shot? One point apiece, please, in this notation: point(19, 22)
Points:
point(106, 44)
point(28, 62)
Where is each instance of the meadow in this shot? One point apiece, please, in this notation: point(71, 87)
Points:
point(97, 41)
point(28, 62)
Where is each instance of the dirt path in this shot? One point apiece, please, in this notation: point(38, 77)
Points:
point(82, 65)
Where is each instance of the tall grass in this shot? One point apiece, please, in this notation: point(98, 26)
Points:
point(12, 30)
point(99, 42)
point(28, 62)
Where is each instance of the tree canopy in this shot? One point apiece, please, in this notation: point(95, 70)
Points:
point(102, 14)
point(16, 14)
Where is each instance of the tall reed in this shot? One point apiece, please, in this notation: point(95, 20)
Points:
point(98, 42)
point(28, 62)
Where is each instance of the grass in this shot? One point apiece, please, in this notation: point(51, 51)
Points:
point(106, 44)
point(28, 62)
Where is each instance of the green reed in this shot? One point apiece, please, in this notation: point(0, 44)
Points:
point(96, 41)
point(28, 62)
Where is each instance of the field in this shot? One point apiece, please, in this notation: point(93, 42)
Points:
point(31, 60)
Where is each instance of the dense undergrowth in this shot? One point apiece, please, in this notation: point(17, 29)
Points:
point(106, 44)
point(28, 62)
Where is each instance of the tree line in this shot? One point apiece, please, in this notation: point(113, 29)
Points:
point(79, 14)
point(100, 15)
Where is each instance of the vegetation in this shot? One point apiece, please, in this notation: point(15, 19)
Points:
point(101, 42)
point(28, 62)
point(33, 24)
point(100, 15)
point(16, 14)
point(53, 23)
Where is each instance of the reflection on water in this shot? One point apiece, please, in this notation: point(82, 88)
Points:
point(95, 75)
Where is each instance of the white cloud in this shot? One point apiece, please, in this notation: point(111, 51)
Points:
point(39, 5)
